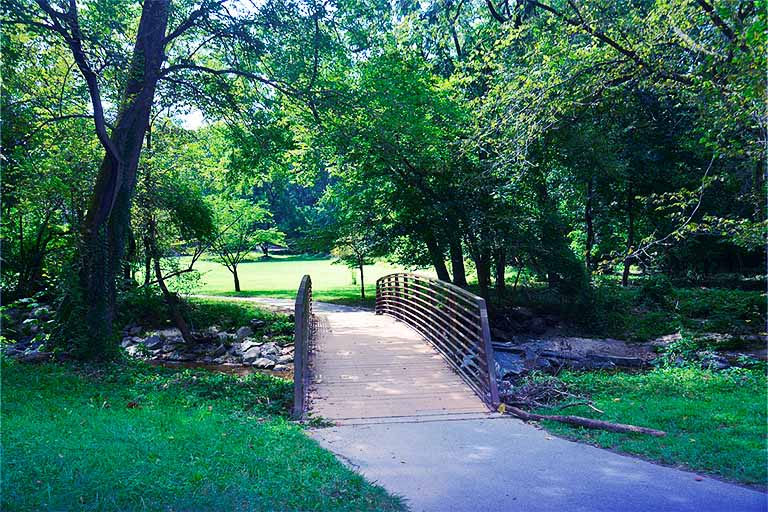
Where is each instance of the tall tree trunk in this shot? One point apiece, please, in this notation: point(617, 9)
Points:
point(501, 267)
point(108, 218)
point(630, 235)
point(237, 279)
point(147, 262)
point(483, 266)
point(438, 257)
point(265, 250)
point(457, 263)
point(589, 226)
point(362, 283)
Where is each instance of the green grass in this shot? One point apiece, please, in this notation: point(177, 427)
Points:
point(198, 441)
point(715, 421)
point(280, 276)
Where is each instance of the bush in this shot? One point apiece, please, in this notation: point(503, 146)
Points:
point(232, 315)
point(656, 290)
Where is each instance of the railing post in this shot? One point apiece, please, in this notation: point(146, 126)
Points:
point(302, 316)
point(490, 363)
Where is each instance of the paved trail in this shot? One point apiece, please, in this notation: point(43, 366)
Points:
point(406, 421)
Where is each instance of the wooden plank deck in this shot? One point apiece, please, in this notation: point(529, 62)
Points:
point(368, 366)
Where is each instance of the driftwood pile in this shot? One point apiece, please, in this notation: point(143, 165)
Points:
point(548, 392)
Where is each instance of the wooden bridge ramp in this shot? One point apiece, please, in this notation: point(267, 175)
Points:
point(372, 368)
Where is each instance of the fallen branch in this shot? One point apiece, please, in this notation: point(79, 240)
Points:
point(585, 422)
point(576, 404)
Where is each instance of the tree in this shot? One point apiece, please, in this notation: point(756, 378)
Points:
point(238, 222)
point(201, 47)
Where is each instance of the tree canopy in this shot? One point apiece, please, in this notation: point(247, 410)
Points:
point(572, 138)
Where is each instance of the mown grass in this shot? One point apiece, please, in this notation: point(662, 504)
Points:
point(280, 276)
point(133, 437)
point(715, 421)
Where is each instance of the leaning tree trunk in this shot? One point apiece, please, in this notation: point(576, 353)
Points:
point(108, 218)
point(438, 258)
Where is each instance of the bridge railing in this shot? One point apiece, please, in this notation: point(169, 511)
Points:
point(453, 320)
point(303, 331)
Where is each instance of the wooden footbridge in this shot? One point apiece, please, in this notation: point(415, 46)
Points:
point(424, 354)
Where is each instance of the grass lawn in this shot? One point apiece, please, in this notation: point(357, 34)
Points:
point(140, 438)
point(715, 421)
point(280, 276)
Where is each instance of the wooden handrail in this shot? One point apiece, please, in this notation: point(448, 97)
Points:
point(452, 319)
point(303, 331)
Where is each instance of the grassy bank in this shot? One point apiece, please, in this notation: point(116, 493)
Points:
point(715, 421)
point(141, 438)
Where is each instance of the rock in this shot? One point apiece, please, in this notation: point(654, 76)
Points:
point(249, 343)
point(281, 368)
point(153, 342)
point(212, 330)
point(134, 351)
point(269, 349)
point(133, 330)
point(127, 342)
point(167, 348)
point(601, 365)
point(290, 349)
point(179, 356)
point(219, 351)
point(621, 361)
point(244, 332)
point(258, 323)
point(226, 337)
point(264, 363)
point(35, 356)
point(170, 333)
point(252, 355)
point(508, 365)
point(712, 361)
point(285, 359)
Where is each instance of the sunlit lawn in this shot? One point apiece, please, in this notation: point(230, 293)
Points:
point(137, 438)
point(280, 277)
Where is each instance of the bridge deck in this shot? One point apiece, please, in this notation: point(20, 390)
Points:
point(368, 366)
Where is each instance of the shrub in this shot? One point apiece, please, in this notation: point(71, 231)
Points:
point(656, 289)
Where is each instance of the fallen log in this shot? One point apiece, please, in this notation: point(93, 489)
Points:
point(585, 422)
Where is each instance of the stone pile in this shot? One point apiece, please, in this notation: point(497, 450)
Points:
point(212, 347)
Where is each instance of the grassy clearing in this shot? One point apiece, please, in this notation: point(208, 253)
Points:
point(140, 438)
point(715, 421)
point(280, 276)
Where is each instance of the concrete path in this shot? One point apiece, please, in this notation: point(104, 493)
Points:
point(367, 367)
point(405, 420)
point(443, 452)
point(505, 465)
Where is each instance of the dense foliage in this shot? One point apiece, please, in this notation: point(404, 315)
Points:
point(569, 139)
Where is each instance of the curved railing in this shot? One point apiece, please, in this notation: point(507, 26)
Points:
point(453, 320)
point(303, 331)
